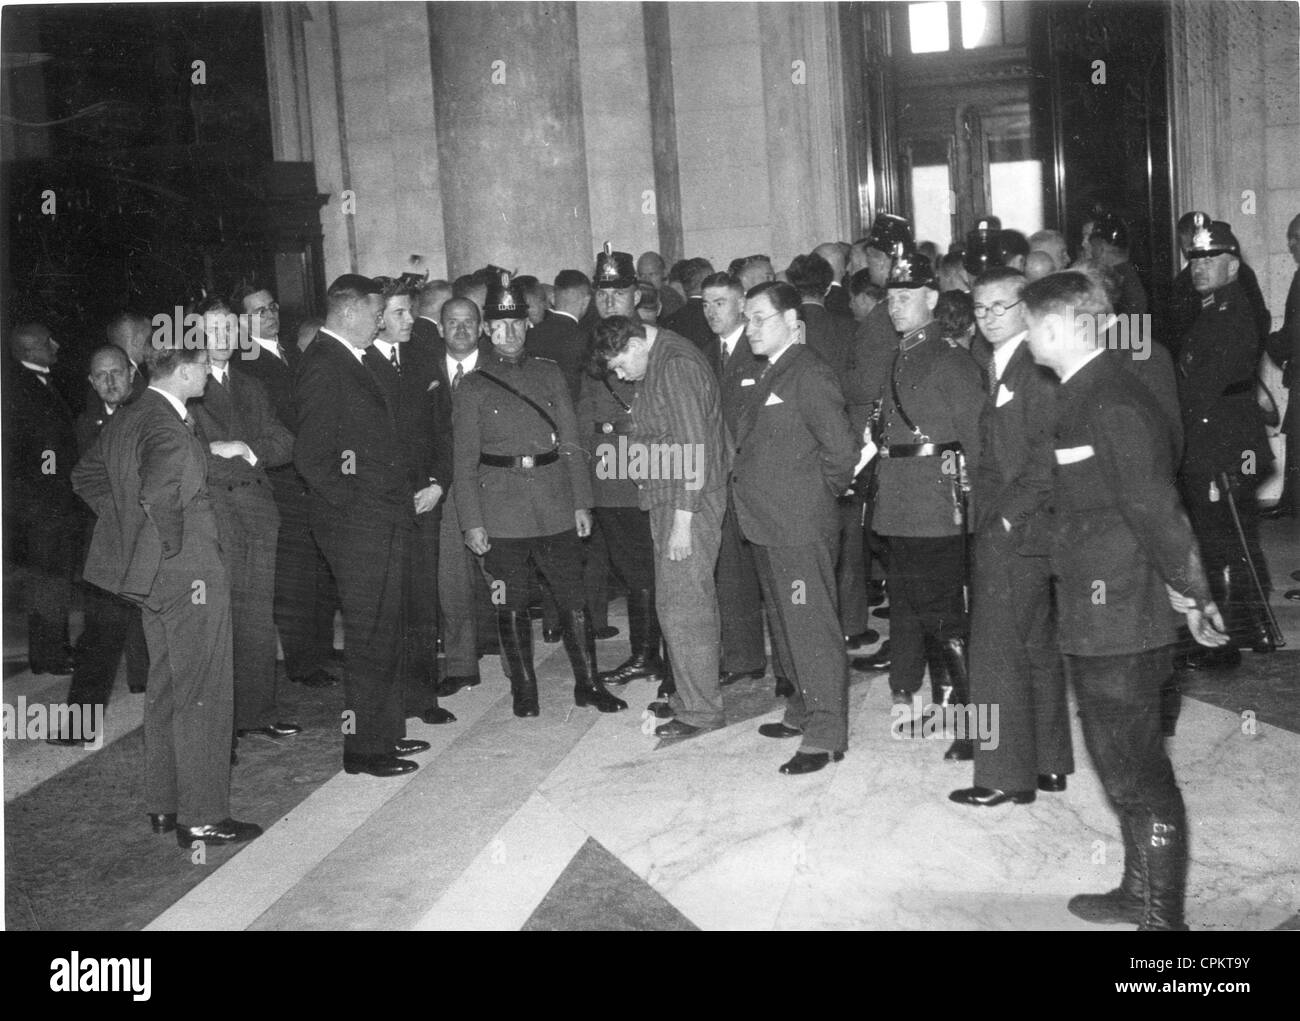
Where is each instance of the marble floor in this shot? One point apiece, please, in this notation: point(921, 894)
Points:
point(578, 820)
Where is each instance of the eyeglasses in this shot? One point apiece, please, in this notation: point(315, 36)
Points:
point(997, 310)
point(757, 321)
point(261, 310)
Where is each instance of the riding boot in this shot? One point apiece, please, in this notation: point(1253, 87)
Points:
point(515, 630)
point(1127, 902)
point(1171, 704)
point(1162, 857)
point(644, 634)
point(954, 658)
point(580, 644)
point(940, 688)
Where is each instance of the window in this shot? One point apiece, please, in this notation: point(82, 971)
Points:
point(933, 27)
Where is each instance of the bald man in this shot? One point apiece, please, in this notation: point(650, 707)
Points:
point(40, 511)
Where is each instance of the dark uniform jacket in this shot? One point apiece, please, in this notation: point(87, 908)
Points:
point(146, 481)
point(1012, 479)
point(604, 413)
point(559, 339)
point(347, 447)
point(1284, 348)
point(795, 453)
point(1216, 388)
point(872, 353)
point(1185, 305)
point(421, 404)
point(518, 502)
point(240, 409)
point(831, 336)
point(677, 406)
point(1119, 531)
point(943, 394)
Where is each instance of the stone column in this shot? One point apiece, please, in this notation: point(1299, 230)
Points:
point(513, 172)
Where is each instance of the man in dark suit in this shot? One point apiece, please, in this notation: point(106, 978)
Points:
point(651, 268)
point(558, 336)
point(41, 516)
point(156, 544)
point(467, 619)
point(1014, 661)
point(689, 320)
point(112, 623)
point(242, 436)
point(740, 600)
point(349, 452)
point(524, 498)
point(795, 456)
point(677, 426)
point(1284, 348)
point(1123, 553)
point(422, 407)
point(836, 295)
point(305, 596)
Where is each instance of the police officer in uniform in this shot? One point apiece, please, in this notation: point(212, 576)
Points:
point(1225, 438)
point(524, 496)
point(605, 414)
point(929, 430)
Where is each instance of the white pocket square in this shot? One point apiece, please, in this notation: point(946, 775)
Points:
point(772, 399)
point(1073, 455)
point(433, 386)
point(1004, 395)
point(747, 382)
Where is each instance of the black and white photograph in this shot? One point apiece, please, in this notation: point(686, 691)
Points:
point(651, 466)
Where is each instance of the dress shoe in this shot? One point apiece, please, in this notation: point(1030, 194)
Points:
point(450, 685)
point(163, 822)
point(316, 679)
point(60, 667)
point(276, 730)
point(881, 611)
point(378, 765)
point(880, 660)
point(1052, 783)
point(859, 643)
point(1278, 510)
point(228, 831)
point(778, 730)
point(436, 715)
point(783, 689)
point(676, 728)
point(876, 599)
point(64, 742)
point(135, 689)
point(809, 762)
point(606, 632)
point(732, 676)
point(551, 635)
point(961, 750)
point(1203, 657)
point(987, 797)
point(410, 746)
point(1292, 594)
point(661, 710)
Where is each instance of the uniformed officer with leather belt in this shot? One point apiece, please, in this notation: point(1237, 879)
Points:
point(929, 431)
point(524, 496)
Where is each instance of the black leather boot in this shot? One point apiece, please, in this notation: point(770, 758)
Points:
point(940, 687)
point(580, 644)
point(1125, 903)
point(515, 630)
point(1171, 704)
point(644, 634)
point(1247, 620)
point(1162, 858)
point(954, 658)
point(667, 687)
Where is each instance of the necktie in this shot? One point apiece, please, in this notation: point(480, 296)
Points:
point(726, 352)
point(460, 374)
point(991, 376)
point(392, 357)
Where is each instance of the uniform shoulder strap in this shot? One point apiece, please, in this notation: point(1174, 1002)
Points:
point(546, 415)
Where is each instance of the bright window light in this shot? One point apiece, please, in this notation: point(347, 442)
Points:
point(928, 27)
point(974, 24)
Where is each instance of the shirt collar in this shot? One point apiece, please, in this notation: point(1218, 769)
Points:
point(177, 404)
point(561, 312)
point(219, 372)
point(733, 338)
point(43, 370)
point(1002, 355)
point(272, 346)
point(386, 349)
point(469, 362)
point(358, 355)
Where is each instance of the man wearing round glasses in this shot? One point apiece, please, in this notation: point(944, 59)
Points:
point(1014, 662)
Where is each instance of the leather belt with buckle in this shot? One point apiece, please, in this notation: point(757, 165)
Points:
point(526, 461)
point(918, 449)
point(613, 428)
